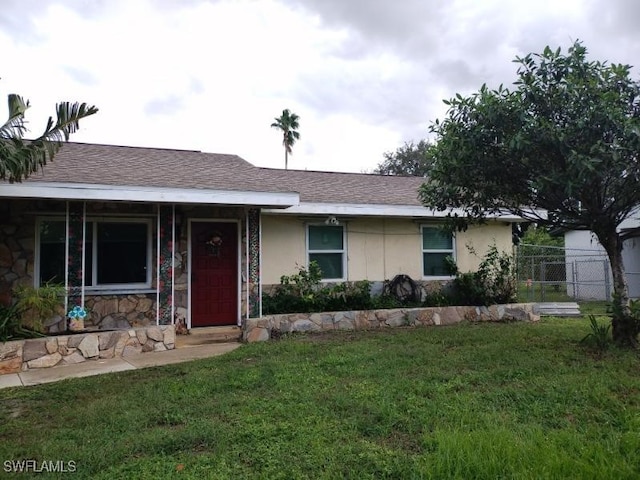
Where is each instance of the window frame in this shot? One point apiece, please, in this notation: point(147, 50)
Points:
point(93, 222)
point(423, 250)
point(343, 252)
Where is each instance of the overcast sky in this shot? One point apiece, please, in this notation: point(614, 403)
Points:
point(363, 75)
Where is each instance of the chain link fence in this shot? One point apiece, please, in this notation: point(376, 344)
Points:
point(555, 274)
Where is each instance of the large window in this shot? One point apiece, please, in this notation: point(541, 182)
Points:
point(437, 245)
point(326, 247)
point(117, 253)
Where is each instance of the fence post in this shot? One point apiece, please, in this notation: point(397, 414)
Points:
point(607, 282)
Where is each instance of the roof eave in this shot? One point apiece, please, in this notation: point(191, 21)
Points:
point(375, 210)
point(93, 192)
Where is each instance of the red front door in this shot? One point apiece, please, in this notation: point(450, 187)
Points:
point(214, 273)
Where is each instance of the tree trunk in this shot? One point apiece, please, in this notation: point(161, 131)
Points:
point(625, 326)
point(286, 158)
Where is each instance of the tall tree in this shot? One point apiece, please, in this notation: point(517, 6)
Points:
point(565, 140)
point(288, 124)
point(410, 159)
point(20, 158)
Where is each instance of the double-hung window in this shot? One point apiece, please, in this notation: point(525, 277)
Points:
point(117, 253)
point(326, 247)
point(437, 245)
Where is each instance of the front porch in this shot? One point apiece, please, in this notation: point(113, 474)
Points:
point(131, 265)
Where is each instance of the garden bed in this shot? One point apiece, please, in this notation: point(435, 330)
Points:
point(273, 326)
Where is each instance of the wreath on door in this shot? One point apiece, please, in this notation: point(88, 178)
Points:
point(214, 244)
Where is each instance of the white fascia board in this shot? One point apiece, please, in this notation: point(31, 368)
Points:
point(76, 191)
point(370, 210)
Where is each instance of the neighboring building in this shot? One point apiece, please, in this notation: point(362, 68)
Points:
point(589, 274)
point(143, 236)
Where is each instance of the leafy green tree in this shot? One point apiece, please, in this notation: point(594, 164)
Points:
point(19, 158)
point(411, 159)
point(288, 123)
point(564, 141)
point(540, 236)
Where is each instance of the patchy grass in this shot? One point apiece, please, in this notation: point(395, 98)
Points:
point(471, 401)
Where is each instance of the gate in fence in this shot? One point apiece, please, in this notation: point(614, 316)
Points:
point(548, 274)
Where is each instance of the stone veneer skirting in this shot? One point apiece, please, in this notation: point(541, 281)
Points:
point(20, 355)
point(265, 328)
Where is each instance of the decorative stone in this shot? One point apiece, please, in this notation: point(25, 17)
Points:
point(121, 344)
point(142, 336)
point(148, 346)
point(154, 333)
point(75, 357)
point(517, 314)
point(397, 318)
point(105, 307)
point(144, 305)
point(33, 349)
point(304, 326)
point(11, 365)
point(108, 353)
point(169, 336)
point(51, 344)
point(6, 258)
point(20, 267)
point(159, 347)
point(64, 350)
point(131, 350)
point(12, 349)
point(45, 361)
point(258, 334)
point(74, 340)
point(114, 323)
point(89, 346)
point(126, 305)
point(107, 340)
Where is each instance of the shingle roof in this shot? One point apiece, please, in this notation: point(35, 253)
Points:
point(184, 169)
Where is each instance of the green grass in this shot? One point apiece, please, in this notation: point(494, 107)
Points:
point(543, 293)
point(523, 401)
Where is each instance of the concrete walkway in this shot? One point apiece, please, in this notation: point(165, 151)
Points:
point(96, 367)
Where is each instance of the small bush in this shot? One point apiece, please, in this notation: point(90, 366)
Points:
point(34, 305)
point(11, 327)
point(493, 283)
point(303, 292)
point(599, 335)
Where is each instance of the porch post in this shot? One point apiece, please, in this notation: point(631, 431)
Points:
point(76, 234)
point(165, 248)
point(254, 283)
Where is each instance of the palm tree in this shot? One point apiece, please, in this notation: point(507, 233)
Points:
point(288, 123)
point(20, 158)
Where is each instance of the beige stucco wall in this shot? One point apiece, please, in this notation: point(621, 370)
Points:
point(378, 248)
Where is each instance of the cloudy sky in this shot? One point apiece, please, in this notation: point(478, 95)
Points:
point(363, 75)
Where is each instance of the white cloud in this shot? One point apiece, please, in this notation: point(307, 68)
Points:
point(364, 76)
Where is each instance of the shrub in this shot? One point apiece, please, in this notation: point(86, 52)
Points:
point(303, 292)
point(11, 327)
point(599, 335)
point(34, 305)
point(494, 282)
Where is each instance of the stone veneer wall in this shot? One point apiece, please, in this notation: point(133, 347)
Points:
point(262, 329)
point(20, 355)
point(107, 311)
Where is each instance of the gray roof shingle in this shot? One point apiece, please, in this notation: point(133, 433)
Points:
point(185, 169)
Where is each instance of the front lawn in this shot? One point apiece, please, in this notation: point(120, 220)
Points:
point(515, 400)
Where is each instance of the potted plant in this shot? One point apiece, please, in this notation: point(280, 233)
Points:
point(76, 318)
